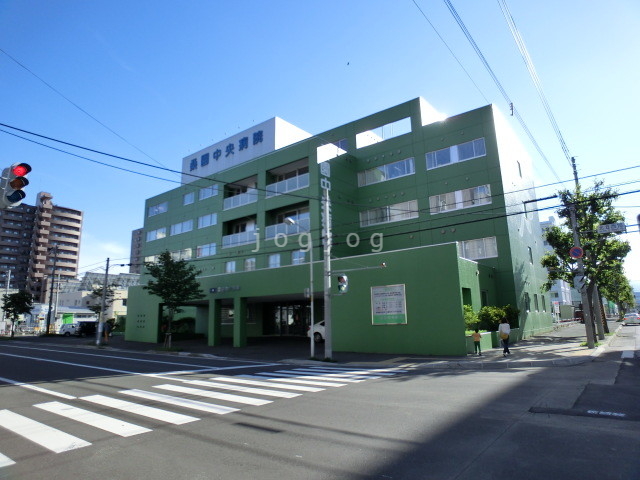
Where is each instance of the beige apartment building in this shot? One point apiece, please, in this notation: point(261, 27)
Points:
point(35, 241)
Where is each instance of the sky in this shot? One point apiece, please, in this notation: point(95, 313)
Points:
point(156, 80)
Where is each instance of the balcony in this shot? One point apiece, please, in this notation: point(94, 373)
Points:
point(301, 226)
point(288, 185)
point(250, 196)
point(237, 239)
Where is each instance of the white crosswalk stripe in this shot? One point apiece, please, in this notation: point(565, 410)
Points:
point(237, 388)
point(5, 461)
point(217, 395)
point(180, 402)
point(97, 420)
point(294, 379)
point(142, 410)
point(44, 435)
point(317, 377)
point(257, 383)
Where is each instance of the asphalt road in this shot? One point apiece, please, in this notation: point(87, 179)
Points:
point(167, 417)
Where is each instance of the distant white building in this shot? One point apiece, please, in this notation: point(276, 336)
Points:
point(561, 291)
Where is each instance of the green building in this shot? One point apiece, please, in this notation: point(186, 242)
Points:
point(425, 214)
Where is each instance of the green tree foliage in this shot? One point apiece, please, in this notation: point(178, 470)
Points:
point(604, 253)
point(16, 304)
point(616, 288)
point(174, 281)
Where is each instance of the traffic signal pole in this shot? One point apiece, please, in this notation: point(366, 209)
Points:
point(326, 230)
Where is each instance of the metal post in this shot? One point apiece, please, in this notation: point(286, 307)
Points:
point(326, 229)
point(100, 328)
point(53, 277)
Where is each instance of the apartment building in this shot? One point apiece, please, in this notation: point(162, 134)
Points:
point(35, 238)
point(443, 204)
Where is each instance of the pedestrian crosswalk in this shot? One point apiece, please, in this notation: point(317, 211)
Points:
point(176, 397)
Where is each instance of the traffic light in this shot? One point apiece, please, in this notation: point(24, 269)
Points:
point(11, 185)
point(343, 283)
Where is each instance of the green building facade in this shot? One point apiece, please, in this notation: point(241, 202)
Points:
point(425, 215)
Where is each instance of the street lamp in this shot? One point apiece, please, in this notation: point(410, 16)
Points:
point(292, 221)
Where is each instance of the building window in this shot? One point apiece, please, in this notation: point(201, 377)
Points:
point(209, 191)
point(297, 257)
point(544, 303)
point(188, 198)
point(159, 208)
point(206, 250)
point(182, 227)
point(207, 220)
point(156, 234)
point(249, 264)
point(456, 153)
point(479, 248)
point(519, 169)
point(467, 198)
point(530, 255)
point(274, 260)
point(391, 213)
point(386, 172)
point(184, 254)
point(230, 266)
point(535, 302)
point(527, 302)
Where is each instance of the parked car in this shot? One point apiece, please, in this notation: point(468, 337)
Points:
point(87, 328)
point(631, 318)
point(68, 329)
point(318, 332)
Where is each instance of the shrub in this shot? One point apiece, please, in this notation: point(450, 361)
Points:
point(470, 318)
point(489, 317)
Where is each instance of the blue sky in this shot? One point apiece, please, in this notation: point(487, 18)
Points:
point(172, 77)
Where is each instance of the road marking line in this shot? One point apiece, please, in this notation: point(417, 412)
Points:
point(237, 388)
point(294, 379)
point(180, 402)
point(217, 395)
point(268, 384)
point(45, 436)
point(97, 420)
point(142, 410)
point(5, 461)
point(355, 372)
point(37, 389)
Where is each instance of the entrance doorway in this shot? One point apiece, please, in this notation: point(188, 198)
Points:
point(288, 319)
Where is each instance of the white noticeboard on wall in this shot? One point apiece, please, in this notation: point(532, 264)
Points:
point(388, 305)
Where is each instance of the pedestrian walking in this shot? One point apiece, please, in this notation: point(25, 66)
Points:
point(476, 342)
point(107, 332)
point(504, 330)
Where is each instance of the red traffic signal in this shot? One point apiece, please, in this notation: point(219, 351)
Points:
point(12, 183)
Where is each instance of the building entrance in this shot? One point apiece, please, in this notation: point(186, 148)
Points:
point(290, 319)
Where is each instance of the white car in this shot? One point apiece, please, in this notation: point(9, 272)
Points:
point(318, 332)
point(68, 329)
point(631, 318)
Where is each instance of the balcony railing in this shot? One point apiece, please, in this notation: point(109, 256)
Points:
point(301, 226)
point(288, 185)
point(242, 238)
point(250, 196)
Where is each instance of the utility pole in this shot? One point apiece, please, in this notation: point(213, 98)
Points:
point(100, 328)
point(586, 308)
point(53, 278)
point(326, 230)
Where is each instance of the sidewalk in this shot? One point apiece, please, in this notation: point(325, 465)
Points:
point(563, 347)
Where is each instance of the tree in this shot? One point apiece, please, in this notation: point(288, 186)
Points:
point(616, 288)
point(96, 294)
point(175, 283)
point(604, 252)
point(16, 304)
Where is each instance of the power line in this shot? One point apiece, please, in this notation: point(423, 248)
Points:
point(484, 61)
point(78, 106)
